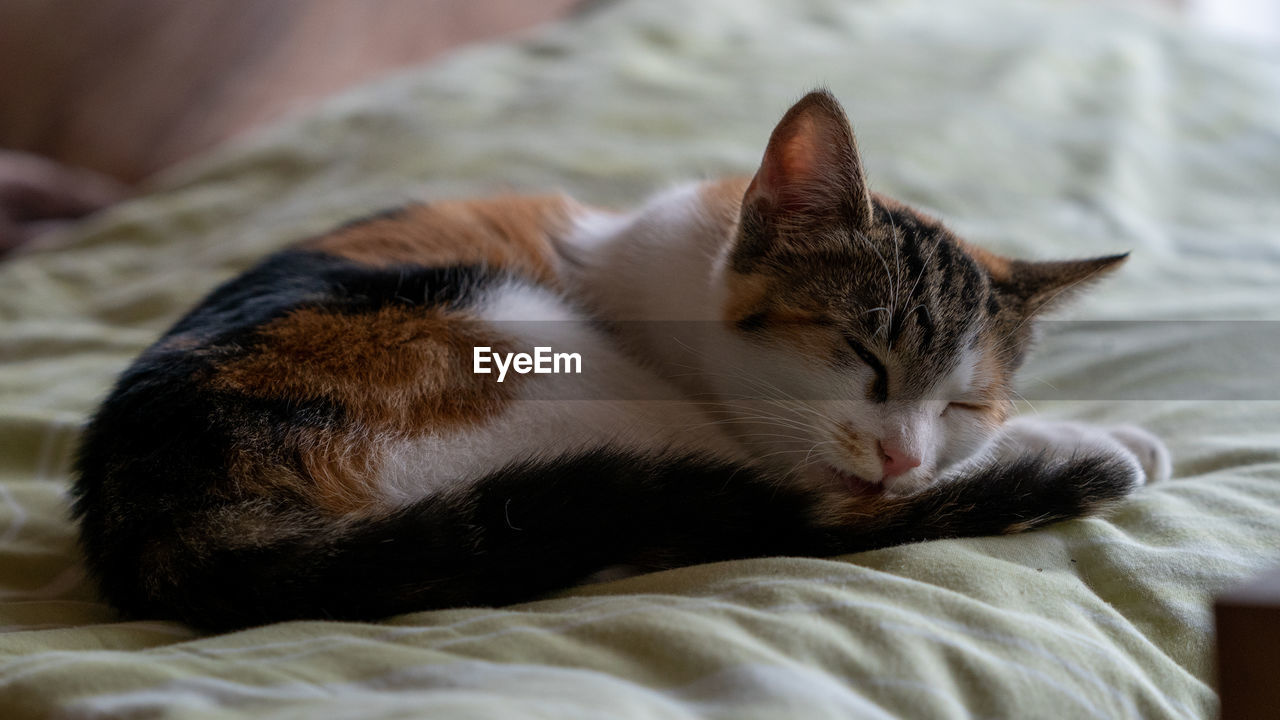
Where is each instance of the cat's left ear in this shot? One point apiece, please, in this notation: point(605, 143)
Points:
point(810, 175)
point(1039, 286)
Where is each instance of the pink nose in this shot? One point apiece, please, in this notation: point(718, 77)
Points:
point(896, 460)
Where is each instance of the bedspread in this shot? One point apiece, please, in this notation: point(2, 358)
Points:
point(1040, 129)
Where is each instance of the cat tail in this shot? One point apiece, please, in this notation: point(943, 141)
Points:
point(532, 528)
point(1003, 497)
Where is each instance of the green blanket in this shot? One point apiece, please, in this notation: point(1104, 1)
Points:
point(1035, 128)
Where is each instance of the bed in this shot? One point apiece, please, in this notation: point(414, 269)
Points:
point(1038, 129)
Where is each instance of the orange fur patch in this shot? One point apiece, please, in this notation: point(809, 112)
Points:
point(800, 331)
point(797, 328)
point(512, 232)
point(339, 470)
point(746, 295)
point(395, 371)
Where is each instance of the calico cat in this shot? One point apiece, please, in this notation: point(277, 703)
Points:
point(788, 364)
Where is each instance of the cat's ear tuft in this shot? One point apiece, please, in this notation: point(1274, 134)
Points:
point(1043, 285)
point(811, 172)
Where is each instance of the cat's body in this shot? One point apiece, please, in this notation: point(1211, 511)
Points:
point(781, 365)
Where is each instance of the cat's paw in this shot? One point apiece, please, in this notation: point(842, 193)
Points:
point(1150, 451)
point(1137, 448)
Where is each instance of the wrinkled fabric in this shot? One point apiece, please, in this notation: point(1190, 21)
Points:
point(1037, 129)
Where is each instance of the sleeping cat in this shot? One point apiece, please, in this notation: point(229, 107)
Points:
point(787, 364)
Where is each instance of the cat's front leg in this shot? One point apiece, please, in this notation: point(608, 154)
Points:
point(1065, 439)
point(1034, 473)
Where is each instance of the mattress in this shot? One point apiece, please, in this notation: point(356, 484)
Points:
point(1038, 129)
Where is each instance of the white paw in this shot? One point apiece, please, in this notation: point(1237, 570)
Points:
point(1152, 455)
point(1065, 439)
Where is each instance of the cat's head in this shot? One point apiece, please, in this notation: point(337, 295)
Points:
point(882, 347)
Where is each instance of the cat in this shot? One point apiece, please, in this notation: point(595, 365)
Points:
point(783, 364)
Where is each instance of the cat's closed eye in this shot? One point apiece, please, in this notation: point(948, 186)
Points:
point(964, 407)
point(878, 390)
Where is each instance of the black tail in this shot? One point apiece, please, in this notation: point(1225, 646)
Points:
point(529, 529)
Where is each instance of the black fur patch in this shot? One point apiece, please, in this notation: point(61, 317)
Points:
point(754, 322)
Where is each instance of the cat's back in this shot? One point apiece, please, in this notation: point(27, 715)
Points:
point(343, 377)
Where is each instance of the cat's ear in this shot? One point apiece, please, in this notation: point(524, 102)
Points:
point(1039, 286)
point(810, 173)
